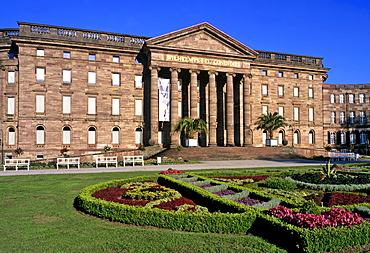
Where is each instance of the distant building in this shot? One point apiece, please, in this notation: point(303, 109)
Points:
point(83, 90)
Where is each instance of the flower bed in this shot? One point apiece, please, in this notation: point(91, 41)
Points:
point(338, 199)
point(241, 180)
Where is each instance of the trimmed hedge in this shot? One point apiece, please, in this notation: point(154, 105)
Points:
point(144, 216)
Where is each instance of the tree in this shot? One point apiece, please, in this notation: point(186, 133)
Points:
point(270, 122)
point(190, 126)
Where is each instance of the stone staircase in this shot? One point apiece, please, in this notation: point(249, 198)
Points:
point(231, 153)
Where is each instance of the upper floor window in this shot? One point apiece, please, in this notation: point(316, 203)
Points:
point(139, 82)
point(296, 113)
point(40, 74)
point(115, 59)
point(296, 92)
point(264, 90)
point(280, 74)
point(361, 98)
point(11, 105)
point(332, 117)
point(66, 55)
point(264, 72)
point(40, 52)
point(351, 98)
point(310, 77)
point(281, 91)
point(296, 75)
point(91, 105)
point(332, 98)
point(115, 79)
point(11, 77)
point(281, 111)
point(138, 107)
point(91, 78)
point(342, 117)
point(311, 114)
point(341, 98)
point(67, 77)
point(66, 104)
point(310, 93)
point(115, 106)
point(362, 117)
point(92, 57)
point(40, 103)
point(352, 138)
point(352, 117)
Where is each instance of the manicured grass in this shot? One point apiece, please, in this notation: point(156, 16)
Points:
point(37, 215)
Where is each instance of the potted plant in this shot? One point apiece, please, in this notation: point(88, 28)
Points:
point(270, 122)
point(191, 127)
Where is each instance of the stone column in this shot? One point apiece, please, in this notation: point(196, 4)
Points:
point(212, 108)
point(154, 103)
point(194, 93)
point(230, 109)
point(174, 104)
point(247, 81)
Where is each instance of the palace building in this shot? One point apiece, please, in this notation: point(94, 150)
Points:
point(85, 90)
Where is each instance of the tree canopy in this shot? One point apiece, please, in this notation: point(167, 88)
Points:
point(190, 126)
point(270, 122)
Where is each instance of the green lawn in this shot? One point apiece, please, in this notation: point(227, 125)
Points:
point(37, 215)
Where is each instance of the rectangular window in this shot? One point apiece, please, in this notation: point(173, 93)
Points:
point(351, 98)
point(66, 55)
point(179, 109)
point(332, 117)
point(11, 106)
point(296, 114)
point(67, 77)
point(264, 72)
point(265, 109)
point(138, 82)
point(66, 104)
point(342, 117)
point(310, 77)
point(91, 106)
point(363, 138)
point(332, 98)
point(115, 59)
point(351, 117)
point(91, 78)
point(310, 93)
point(281, 111)
point(264, 90)
point(40, 74)
point(361, 98)
point(280, 74)
point(40, 52)
point(296, 92)
point(341, 98)
point(92, 57)
point(115, 106)
point(311, 114)
point(362, 117)
point(352, 138)
point(138, 107)
point(296, 75)
point(115, 79)
point(281, 91)
point(11, 77)
point(40, 103)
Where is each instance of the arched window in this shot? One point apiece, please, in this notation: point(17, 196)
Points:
point(91, 138)
point(342, 138)
point(66, 135)
point(264, 136)
point(296, 138)
point(11, 136)
point(138, 135)
point(115, 135)
point(40, 135)
point(281, 136)
point(311, 137)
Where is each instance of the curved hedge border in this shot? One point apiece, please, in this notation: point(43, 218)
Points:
point(144, 216)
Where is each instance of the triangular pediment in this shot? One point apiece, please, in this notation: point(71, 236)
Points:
point(202, 38)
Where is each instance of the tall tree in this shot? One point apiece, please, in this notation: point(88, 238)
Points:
point(270, 122)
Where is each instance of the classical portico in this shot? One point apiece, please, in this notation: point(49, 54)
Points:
point(203, 73)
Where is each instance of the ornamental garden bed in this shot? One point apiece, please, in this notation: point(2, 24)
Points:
point(271, 205)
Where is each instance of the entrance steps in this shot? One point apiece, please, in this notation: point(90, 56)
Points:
point(231, 153)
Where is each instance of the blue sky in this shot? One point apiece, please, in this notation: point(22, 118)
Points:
point(337, 30)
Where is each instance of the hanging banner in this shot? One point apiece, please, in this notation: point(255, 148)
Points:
point(164, 99)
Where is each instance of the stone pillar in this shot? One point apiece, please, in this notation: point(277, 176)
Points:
point(247, 81)
point(212, 108)
point(154, 103)
point(194, 93)
point(230, 109)
point(174, 104)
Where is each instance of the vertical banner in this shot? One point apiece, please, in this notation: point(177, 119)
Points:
point(164, 99)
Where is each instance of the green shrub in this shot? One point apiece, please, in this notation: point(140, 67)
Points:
point(278, 183)
point(151, 193)
point(188, 179)
point(237, 196)
point(200, 183)
point(363, 211)
point(216, 188)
